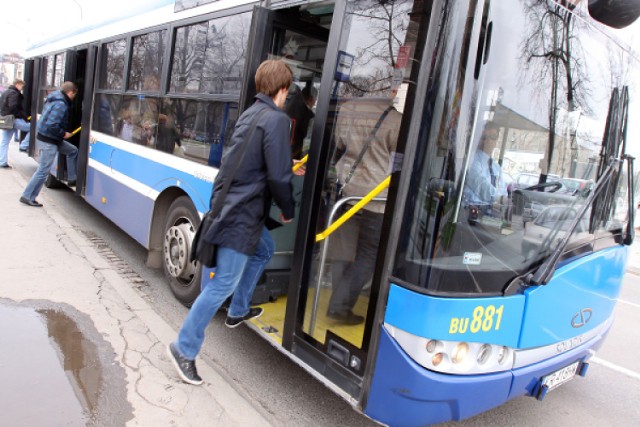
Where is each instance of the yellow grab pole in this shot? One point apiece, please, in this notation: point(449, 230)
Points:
point(76, 131)
point(301, 162)
point(355, 208)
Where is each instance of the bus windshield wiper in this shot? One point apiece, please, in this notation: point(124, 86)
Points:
point(543, 273)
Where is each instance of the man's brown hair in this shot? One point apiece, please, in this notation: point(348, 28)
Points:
point(17, 82)
point(273, 75)
point(68, 87)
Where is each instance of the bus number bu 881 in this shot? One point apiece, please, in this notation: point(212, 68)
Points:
point(483, 319)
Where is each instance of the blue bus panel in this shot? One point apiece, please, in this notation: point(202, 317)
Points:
point(580, 297)
point(456, 319)
point(404, 394)
point(124, 185)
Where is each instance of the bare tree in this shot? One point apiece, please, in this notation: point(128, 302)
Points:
point(388, 20)
point(553, 58)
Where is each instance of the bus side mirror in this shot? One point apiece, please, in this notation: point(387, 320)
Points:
point(615, 13)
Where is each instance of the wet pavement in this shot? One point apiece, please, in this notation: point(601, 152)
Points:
point(79, 344)
point(49, 358)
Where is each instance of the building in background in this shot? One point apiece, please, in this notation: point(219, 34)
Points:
point(11, 68)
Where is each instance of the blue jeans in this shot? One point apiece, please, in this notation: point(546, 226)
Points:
point(7, 134)
point(48, 154)
point(24, 126)
point(237, 274)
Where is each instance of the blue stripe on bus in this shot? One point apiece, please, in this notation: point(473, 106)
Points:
point(150, 173)
point(456, 319)
point(129, 209)
point(404, 393)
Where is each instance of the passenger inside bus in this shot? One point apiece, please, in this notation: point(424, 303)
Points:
point(366, 135)
point(299, 107)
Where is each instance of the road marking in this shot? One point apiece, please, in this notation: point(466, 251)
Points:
point(629, 303)
point(616, 368)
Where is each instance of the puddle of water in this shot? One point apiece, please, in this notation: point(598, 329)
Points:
point(49, 372)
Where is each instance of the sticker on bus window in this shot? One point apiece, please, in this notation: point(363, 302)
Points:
point(472, 258)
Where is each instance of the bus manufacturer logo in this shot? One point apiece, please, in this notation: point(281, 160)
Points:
point(581, 318)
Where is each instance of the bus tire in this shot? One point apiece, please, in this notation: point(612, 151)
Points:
point(179, 229)
point(52, 182)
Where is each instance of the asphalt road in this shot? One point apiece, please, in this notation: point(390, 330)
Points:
point(607, 396)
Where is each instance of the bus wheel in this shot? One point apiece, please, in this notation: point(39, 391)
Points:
point(180, 227)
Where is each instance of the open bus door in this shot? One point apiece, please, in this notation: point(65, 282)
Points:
point(28, 91)
point(300, 36)
point(80, 70)
point(320, 42)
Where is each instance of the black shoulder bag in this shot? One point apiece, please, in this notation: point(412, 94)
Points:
point(201, 250)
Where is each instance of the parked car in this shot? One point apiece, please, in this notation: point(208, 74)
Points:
point(549, 227)
point(529, 202)
point(577, 186)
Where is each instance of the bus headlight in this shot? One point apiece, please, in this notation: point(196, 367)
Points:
point(460, 352)
point(437, 359)
point(484, 354)
point(454, 357)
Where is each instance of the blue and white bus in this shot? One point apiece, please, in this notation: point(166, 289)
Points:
point(476, 295)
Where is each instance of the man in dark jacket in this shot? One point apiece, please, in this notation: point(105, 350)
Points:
point(52, 132)
point(244, 246)
point(12, 100)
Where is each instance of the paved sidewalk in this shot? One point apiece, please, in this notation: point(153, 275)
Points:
point(43, 257)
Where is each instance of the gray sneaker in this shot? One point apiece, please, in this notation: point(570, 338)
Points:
point(253, 313)
point(186, 368)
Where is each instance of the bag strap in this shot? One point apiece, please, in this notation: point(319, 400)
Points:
point(219, 201)
point(366, 144)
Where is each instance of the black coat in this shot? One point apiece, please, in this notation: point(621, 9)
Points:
point(12, 101)
point(264, 174)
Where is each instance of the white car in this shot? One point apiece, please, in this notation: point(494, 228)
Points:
point(544, 233)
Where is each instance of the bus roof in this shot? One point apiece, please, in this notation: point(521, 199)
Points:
point(137, 17)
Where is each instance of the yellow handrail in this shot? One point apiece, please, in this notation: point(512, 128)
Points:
point(355, 208)
point(76, 131)
point(301, 162)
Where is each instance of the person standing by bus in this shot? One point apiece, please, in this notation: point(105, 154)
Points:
point(243, 244)
point(52, 132)
point(12, 100)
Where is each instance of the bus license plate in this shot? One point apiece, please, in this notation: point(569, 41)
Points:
point(560, 376)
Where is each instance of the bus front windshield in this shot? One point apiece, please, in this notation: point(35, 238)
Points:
point(507, 154)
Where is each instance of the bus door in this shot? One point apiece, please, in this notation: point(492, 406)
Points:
point(70, 66)
point(359, 76)
point(31, 87)
point(293, 36)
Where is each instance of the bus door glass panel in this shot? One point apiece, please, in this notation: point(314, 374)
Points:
point(502, 173)
point(304, 53)
point(58, 74)
point(368, 95)
point(46, 80)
